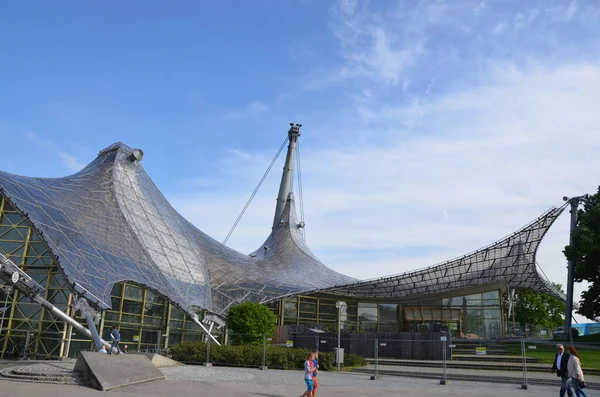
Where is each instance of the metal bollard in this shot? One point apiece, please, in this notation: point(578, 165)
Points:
point(208, 363)
point(444, 373)
point(264, 353)
point(524, 364)
point(374, 377)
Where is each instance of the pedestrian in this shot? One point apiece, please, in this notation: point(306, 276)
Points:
point(575, 372)
point(308, 375)
point(316, 372)
point(116, 339)
point(560, 366)
point(103, 349)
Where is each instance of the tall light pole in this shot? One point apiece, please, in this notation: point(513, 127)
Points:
point(339, 305)
point(574, 203)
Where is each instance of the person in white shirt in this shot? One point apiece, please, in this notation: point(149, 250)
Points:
point(103, 350)
point(560, 367)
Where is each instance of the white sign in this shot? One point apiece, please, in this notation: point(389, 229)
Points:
point(443, 338)
point(383, 344)
point(543, 332)
point(15, 277)
point(533, 347)
point(452, 346)
point(323, 341)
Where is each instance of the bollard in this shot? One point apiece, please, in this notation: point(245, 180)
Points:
point(208, 363)
point(376, 376)
point(264, 353)
point(444, 373)
point(524, 364)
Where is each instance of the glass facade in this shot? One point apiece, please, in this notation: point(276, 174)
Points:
point(473, 315)
point(147, 320)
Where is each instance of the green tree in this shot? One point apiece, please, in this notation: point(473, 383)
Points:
point(538, 308)
point(585, 254)
point(249, 322)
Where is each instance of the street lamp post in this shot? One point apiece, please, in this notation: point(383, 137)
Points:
point(574, 203)
point(340, 305)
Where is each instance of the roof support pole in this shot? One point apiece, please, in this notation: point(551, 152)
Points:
point(76, 324)
point(574, 203)
point(288, 172)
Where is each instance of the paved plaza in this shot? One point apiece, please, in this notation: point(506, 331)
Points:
point(221, 381)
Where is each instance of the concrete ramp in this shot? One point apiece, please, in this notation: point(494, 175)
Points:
point(161, 361)
point(107, 372)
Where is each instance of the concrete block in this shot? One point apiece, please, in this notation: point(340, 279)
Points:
point(107, 372)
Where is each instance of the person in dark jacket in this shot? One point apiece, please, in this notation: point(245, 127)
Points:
point(116, 338)
point(560, 366)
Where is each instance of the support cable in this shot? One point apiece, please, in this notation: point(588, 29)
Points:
point(300, 194)
point(255, 191)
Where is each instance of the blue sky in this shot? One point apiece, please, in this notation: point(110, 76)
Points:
point(431, 128)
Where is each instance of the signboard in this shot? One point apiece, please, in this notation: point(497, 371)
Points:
point(323, 341)
point(136, 338)
point(289, 343)
point(383, 344)
point(452, 346)
point(480, 351)
point(533, 347)
point(443, 338)
point(543, 332)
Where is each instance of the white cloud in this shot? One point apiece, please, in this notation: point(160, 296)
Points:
point(48, 145)
point(444, 149)
point(252, 109)
point(71, 162)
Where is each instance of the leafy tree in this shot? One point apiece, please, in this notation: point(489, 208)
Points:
point(249, 322)
point(585, 254)
point(538, 308)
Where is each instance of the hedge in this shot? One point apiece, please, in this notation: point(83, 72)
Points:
point(251, 356)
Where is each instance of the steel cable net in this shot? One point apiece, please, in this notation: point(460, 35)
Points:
point(109, 223)
point(511, 260)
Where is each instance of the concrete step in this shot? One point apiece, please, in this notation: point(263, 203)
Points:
point(492, 358)
point(488, 351)
point(491, 366)
point(42, 373)
point(469, 377)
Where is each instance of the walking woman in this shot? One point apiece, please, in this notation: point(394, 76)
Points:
point(575, 372)
point(309, 369)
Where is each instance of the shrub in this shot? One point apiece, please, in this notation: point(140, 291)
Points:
point(249, 322)
point(251, 356)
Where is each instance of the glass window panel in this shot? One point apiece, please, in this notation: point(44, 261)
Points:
point(116, 289)
point(154, 298)
point(494, 295)
point(367, 312)
point(128, 318)
point(115, 302)
point(132, 307)
point(176, 314)
point(474, 300)
point(153, 310)
point(290, 309)
point(388, 312)
point(174, 338)
point(57, 297)
point(111, 316)
point(135, 293)
point(327, 309)
point(176, 324)
point(308, 307)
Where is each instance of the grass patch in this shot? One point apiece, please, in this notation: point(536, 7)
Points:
point(546, 353)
